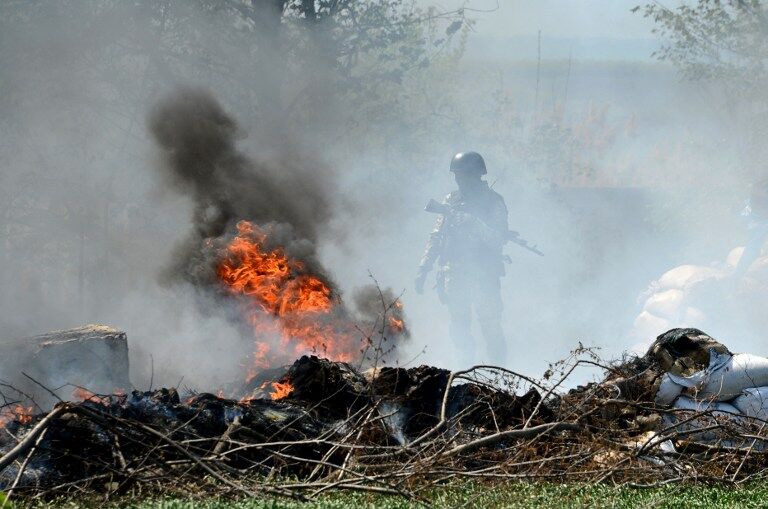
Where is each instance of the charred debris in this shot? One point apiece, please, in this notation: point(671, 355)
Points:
point(318, 424)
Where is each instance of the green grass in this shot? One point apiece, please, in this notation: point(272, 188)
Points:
point(512, 495)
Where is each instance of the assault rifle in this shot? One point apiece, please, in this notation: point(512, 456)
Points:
point(511, 236)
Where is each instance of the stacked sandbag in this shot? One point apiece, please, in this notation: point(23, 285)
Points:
point(701, 376)
point(753, 402)
point(693, 415)
point(675, 298)
point(726, 377)
point(667, 303)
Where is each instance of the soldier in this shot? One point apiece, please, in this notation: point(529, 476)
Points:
point(467, 243)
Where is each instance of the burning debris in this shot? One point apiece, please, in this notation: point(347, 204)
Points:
point(281, 299)
point(253, 246)
point(17, 413)
point(327, 411)
point(338, 417)
point(327, 424)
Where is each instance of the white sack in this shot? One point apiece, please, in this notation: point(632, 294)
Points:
point(718, 408)
point(685, 275)
point(753, 402)
point(665, 304)
point(668, 390)
point(719, 412)
point(726, 376)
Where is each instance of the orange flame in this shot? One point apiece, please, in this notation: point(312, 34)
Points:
point(396, 324)
point(82, 394)
point(23, 414)
point(281, 390)
point(19, 413)
point(283, 299)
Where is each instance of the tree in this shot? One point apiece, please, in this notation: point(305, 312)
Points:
point(715, 40)
point(724, 46)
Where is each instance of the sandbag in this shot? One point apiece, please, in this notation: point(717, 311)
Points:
point(718, 408)
point(720, 413)
point(726, 376)
point(665, 304)
point(753, 402)
point(686, 275)
point(668, 390)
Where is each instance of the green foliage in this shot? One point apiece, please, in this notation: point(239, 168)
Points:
point(508, 495)
point(723, 44)
point(715, 39)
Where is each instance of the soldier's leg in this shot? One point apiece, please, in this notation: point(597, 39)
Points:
point(488, 307)
point(457, 298)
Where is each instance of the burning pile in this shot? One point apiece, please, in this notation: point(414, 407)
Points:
point(292, 311)
point(254, 241)
point(282, 299)
point(392, 430)
point(331, 412)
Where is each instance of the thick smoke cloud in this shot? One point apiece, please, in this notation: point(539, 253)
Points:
point(287, 197)
point(619, 171)
point(200, 158)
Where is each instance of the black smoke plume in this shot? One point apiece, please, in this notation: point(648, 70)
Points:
point(288, 196)
point(200, 158)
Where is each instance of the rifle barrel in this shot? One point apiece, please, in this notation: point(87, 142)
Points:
point(435, 207)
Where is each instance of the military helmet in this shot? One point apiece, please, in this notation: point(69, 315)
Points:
point(468, 162)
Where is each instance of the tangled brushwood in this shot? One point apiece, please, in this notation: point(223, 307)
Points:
point(388, 430)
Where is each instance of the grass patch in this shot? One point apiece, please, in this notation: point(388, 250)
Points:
point(502, 495)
